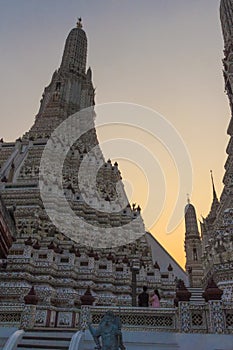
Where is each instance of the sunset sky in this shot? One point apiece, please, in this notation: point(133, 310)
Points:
point(162, 55)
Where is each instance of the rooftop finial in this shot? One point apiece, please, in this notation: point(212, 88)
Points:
point(188, 198)
point(212, 179)
point(79, 23)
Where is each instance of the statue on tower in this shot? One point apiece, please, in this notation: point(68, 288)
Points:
point(109, 330)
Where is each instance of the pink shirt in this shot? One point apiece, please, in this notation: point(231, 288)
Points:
point(155, 301)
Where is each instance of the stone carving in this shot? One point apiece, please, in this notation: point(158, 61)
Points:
point(109, 330)
point(28, 317)
point(217, 321)
point(64, 319)
point(227, 293)
point(185, 317)
point(40, 317)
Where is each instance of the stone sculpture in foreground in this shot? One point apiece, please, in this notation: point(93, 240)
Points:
point(109, 330)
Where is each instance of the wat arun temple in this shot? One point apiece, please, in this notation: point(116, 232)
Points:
point(33, 250)
point(101, 251)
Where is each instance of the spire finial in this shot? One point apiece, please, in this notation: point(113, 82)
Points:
point(79, 23)
point(188, 198)
point(212, 180)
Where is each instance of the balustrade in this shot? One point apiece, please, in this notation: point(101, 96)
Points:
point(212, 317)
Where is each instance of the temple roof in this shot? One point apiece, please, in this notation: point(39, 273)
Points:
point(159, 254)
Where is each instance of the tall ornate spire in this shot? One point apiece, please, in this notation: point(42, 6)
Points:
point(75, 52)
point(71, 87)
point(192, 246)
point(212, 180)
point(217, 227)
point(215, 204)
point(226, 10)
point(207, 226)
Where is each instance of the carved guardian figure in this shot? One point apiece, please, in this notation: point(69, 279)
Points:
point(109, 330)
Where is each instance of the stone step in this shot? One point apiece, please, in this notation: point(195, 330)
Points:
point(50, 334)
point(53, 330)
point(196, 296)
point(38, 347)
point(42, 347)
point(45, 340)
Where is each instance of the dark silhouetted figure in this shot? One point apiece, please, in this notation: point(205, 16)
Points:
point(143, 298)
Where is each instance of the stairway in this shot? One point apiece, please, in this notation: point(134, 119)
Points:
point(63, 339)
point(45, 340)
point(6, 166)
point(196, 297)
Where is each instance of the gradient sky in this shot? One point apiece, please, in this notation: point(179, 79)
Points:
point(165, 55)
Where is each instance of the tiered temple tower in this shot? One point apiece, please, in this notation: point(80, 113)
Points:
point(218, 255)
point(59, 267)
point(217, 227)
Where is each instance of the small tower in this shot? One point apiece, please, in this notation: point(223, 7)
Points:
point(192, 247)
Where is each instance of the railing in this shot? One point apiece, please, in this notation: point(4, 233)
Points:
point(13, 340)
point(10, 316)
point(137, 319)
point(211, 317)
point(199, 318)
point(228, 316)
point(76, 341)
point(57, 317)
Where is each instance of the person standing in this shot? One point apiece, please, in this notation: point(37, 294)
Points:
point(143, 298)
point(155, 299)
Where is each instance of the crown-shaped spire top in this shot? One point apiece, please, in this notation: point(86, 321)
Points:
point(79, 23)
point(75, 51)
